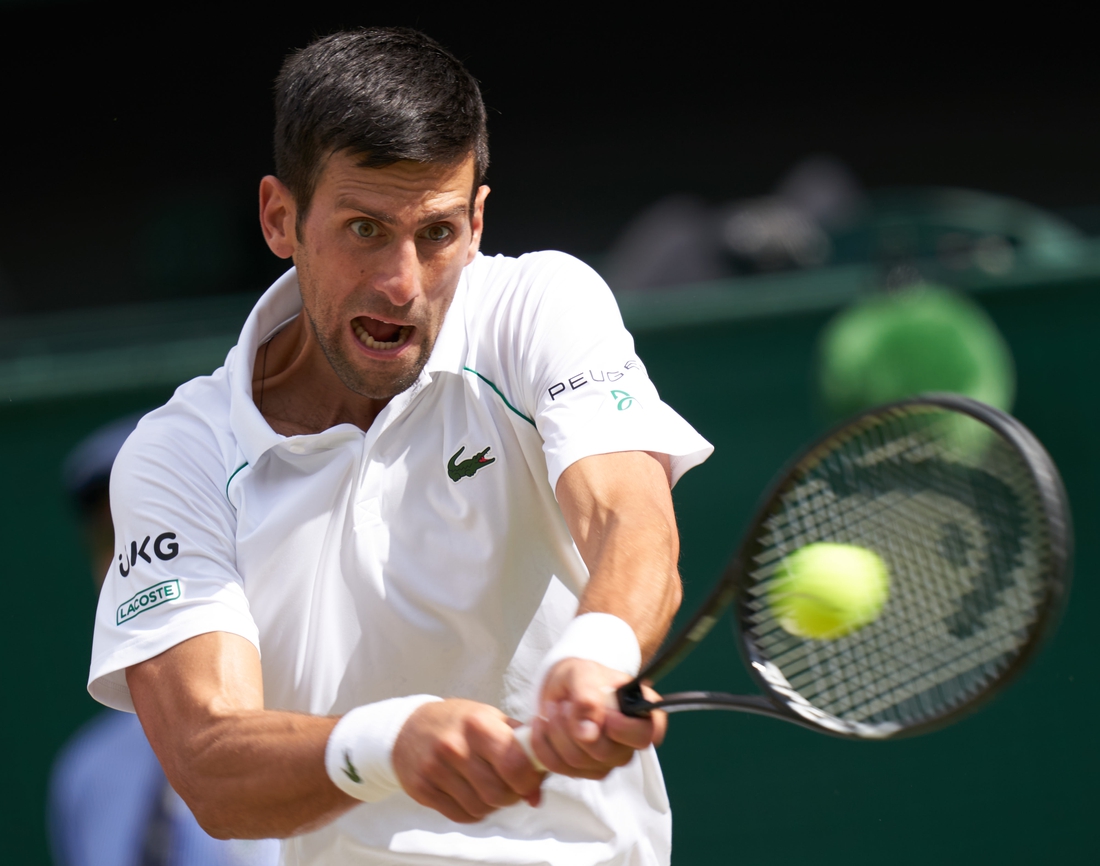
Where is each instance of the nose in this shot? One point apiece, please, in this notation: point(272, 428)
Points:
point(398, 273)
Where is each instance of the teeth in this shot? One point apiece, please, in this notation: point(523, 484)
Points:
point(371, 343)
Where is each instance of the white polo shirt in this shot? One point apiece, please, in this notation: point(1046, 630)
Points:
point(425, 555)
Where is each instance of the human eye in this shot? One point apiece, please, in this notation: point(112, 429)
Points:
point(438, 232)
point(364, 228)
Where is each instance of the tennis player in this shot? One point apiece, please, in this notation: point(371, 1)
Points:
point(426, 499)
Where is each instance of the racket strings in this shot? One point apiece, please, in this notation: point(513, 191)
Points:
point(953, 512)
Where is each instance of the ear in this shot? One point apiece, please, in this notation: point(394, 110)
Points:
point(477, 222)
point(278, 214)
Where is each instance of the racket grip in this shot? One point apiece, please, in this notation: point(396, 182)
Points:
point(631, 702)
point(523, 737)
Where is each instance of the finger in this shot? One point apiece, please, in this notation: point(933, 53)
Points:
point(560, 731)
point(543, 751)
point(604, 749)
point(434, 797)
point(548, 754)
point(511, 763)
point(489, 785)
point(588, 705)
point(504, 773)
point(504, 757)
point(584, 718)
point(459, 787)
point(660, 719)
point(470, 759)
point(586, 686)
point(660, 727)
point(576, 756)
point(634, 733)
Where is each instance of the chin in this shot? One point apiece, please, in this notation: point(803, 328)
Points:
point(374, 378)
point(381, 384)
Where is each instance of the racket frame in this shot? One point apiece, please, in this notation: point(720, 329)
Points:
point(778, 700)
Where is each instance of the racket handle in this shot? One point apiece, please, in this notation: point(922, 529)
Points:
point(630, 701)
point(523, 737)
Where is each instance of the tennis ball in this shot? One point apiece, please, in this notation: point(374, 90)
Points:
point(825, 591)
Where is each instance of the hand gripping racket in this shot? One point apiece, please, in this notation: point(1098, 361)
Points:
point(968, 512)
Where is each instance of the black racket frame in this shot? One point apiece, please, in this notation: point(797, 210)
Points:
point(734, 581)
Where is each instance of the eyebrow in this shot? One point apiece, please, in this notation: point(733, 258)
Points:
point(384, 217)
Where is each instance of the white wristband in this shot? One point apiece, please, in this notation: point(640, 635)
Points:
point(359, 753)
point(597, 637)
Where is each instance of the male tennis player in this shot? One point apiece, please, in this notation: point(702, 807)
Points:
point(426, 498)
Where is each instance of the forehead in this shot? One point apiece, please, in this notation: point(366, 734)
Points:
point(401, 185)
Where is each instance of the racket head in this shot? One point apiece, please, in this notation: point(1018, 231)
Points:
point(970, 516)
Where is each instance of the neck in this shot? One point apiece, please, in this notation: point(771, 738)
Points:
point(298, 392)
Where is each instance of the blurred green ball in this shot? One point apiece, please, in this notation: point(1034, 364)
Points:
point(897, 345)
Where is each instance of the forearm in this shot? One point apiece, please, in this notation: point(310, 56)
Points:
point(626, 533)
point(244, 771)
point(258, 775)
point(636, 580)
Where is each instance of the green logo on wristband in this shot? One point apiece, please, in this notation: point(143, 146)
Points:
point(349, 769)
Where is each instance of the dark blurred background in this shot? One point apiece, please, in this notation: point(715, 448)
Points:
point(133, 137)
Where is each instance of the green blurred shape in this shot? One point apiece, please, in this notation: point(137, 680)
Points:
point(899, 344)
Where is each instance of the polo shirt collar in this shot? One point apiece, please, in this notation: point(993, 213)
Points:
point(449, 351)
point(279, 305)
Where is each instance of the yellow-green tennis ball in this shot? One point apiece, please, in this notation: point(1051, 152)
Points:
point(825, 591)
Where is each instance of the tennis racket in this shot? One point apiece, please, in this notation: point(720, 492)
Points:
point(968, 512)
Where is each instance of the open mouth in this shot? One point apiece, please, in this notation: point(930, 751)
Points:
point(380, 336)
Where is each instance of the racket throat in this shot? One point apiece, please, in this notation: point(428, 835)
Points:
point(633, 703)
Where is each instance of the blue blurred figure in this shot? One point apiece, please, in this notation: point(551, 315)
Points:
point(109, 802)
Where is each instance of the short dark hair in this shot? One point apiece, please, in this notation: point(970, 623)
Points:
point(383, 94)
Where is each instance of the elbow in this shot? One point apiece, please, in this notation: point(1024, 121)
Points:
point(219, 819)
point(188, 772)
point(200, 799)
point(210, 815)
point(212, 827)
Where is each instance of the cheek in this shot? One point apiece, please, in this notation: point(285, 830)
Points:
point(445, 280)
point(323, 283)
point(448, 269)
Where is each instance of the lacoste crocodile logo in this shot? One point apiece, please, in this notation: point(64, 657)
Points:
point(469, 466)
point(349, 769)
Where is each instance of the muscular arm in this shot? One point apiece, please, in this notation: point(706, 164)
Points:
point(246, 772)
point(251, 773)
point(619, 510)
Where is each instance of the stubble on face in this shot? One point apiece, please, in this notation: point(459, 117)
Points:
point(379, 255)
point(377, 380)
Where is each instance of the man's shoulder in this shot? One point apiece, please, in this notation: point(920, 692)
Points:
point(527, 316)
point(192, 428)
point(541, 286)
point(510, 273)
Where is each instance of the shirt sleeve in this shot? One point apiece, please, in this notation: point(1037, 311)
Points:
point(587, 388)
point(174, 573)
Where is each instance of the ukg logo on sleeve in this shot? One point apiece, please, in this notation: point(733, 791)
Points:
point(154, 596)
point(165, 548)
